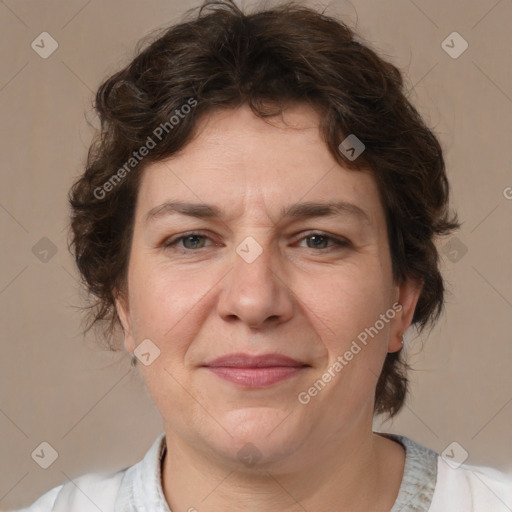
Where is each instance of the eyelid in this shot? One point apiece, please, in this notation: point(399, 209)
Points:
point(337, 240)
point(168, 242)
point(340, 241)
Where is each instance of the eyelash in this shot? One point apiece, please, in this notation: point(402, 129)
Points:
point(339, 243)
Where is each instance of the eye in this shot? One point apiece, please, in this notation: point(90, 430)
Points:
point(191, 241)
point(316, 240)
point(321, 240)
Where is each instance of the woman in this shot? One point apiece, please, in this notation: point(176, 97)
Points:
point(258, 217)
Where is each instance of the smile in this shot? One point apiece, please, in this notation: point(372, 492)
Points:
point(255, 371)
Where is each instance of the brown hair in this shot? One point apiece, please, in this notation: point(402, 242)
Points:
point(223, 58)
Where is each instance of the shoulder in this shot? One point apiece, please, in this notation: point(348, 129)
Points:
point(435, 484)
point(81, 493)
point(468, 488)
point(108, 492)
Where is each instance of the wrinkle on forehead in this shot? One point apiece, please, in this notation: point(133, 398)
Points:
point(252, 170)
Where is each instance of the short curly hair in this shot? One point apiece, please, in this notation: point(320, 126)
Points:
point(223, 58)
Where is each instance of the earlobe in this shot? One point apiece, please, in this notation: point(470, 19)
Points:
point(409, 294)
point(123, 313)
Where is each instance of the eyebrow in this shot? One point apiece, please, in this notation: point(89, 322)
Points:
point(295, 211)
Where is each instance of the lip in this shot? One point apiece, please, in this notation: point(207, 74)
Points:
point(255, 371)
point(241, 360)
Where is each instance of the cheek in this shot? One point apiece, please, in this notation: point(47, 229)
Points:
point(165, 308)
point(345, 304)
point(165, 304)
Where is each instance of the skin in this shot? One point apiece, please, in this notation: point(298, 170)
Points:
point(302, 297)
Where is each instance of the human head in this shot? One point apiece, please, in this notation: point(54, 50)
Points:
point(269, 60)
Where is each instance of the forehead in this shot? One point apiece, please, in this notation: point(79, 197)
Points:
point(240, 163)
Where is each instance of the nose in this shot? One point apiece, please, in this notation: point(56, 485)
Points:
point(256, 292)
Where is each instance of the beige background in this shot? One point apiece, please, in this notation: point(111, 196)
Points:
point(59, 388)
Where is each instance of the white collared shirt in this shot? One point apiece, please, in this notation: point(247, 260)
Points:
point(429, 484)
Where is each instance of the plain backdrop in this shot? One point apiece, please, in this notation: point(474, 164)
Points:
point(61, 388)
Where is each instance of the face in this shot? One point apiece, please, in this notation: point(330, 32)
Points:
point(243, 268)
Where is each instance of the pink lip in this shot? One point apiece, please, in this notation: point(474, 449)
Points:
point(255, 371)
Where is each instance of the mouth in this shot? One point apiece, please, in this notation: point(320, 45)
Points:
point(255, 371)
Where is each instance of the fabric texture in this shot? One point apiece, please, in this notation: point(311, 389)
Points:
point(429, 484)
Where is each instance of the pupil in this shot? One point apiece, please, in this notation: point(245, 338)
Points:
point(195, 240)
point(317, 238)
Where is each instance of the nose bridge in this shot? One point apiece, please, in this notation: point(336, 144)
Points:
point(254, 260)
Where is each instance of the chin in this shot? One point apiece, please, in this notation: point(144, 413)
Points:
point(260, 436)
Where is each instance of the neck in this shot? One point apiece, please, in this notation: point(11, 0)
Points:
point(358, 473)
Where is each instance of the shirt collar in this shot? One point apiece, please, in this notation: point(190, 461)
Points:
point(420, 476)
point(141, 488)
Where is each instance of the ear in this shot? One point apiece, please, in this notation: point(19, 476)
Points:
point(407, 295)
point(123, 312)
